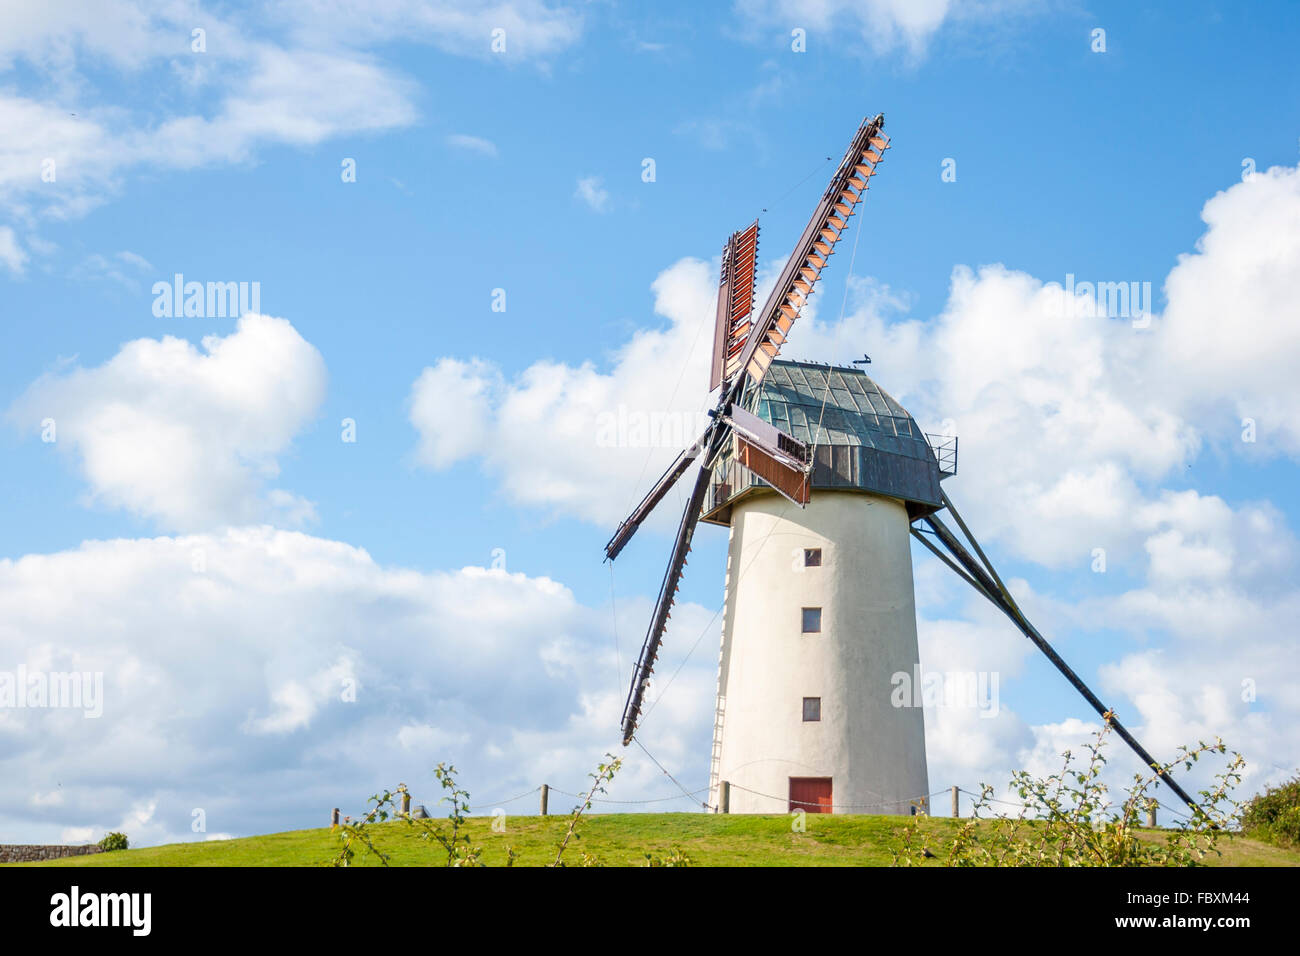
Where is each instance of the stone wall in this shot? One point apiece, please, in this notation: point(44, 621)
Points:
point(19, 853)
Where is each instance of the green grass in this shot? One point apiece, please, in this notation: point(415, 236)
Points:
point(616, 840)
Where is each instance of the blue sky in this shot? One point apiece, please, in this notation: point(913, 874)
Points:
point(225, 165)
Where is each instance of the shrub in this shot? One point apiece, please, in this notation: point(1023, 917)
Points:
point(113, 841)
point(604, 774)
point(1070, 820)
point(676, 857)
point(1274, 815)
point(455, 846)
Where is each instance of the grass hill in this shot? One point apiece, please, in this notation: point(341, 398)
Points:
point(617, 840)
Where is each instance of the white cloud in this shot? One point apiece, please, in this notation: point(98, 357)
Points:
point(533, 29)
point(450, 409)
point(1075, 421)
point(228, 690)
point(298, 74)
point(125, 268)
point(266, 94)
point(1229, 342)
point(1236, 683)
point(184, 435)
point(592, 191)
point(1071, 428)
point(1055, 409)
point(299, 97)
point(296, 701)
point(292, 510)
point(120, 32)
point(882, 25)
point(12, 256)
point(472, 144)
point(713, 134)
point(575, 439)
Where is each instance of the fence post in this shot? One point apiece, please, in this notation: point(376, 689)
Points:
point(724, 796)
point(545, 793)
point(334, 818)
point(956, 802)
point(1151, 814)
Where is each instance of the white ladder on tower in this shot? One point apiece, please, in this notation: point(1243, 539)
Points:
point(715, 758)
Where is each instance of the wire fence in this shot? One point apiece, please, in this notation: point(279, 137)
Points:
point(901, 802)
point(920, 803)
point(690, 794)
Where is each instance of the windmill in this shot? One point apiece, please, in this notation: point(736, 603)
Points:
point(808, 646)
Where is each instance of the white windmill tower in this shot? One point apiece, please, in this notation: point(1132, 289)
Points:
point(819, 612)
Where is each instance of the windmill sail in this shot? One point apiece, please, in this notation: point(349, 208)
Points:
point(735, 299)
point(632, 522)
point(779, 459)
point(762, 339)
point(793, 483)
point(745, 343)
point(663, 606)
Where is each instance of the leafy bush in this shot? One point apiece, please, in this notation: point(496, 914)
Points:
point(1069, 819)
point(455, 846)
point(113, 841)
point(1274, 815)
point(676, 857)
point(604, 774)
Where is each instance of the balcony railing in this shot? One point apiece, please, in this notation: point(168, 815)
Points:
point(945, 452)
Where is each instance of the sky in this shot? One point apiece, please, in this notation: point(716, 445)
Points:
point(319, 543)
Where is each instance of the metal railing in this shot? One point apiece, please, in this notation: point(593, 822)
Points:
point(944, 448)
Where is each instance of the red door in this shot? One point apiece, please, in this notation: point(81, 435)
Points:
point(811, 794)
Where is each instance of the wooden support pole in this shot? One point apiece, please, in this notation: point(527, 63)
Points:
point(956, 802)
point(724, 796)
point(546, 791)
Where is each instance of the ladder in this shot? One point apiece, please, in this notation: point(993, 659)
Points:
point(715, 758)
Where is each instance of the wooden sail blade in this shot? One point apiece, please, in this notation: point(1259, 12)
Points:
point(667, 594)
point(790, 481)
point(629, 525)
point(816, 244)
point(779, 459)
point(735, 299)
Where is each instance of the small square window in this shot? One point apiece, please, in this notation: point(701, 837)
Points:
point(812, 708)
point(812, 620)
point(812, 557)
